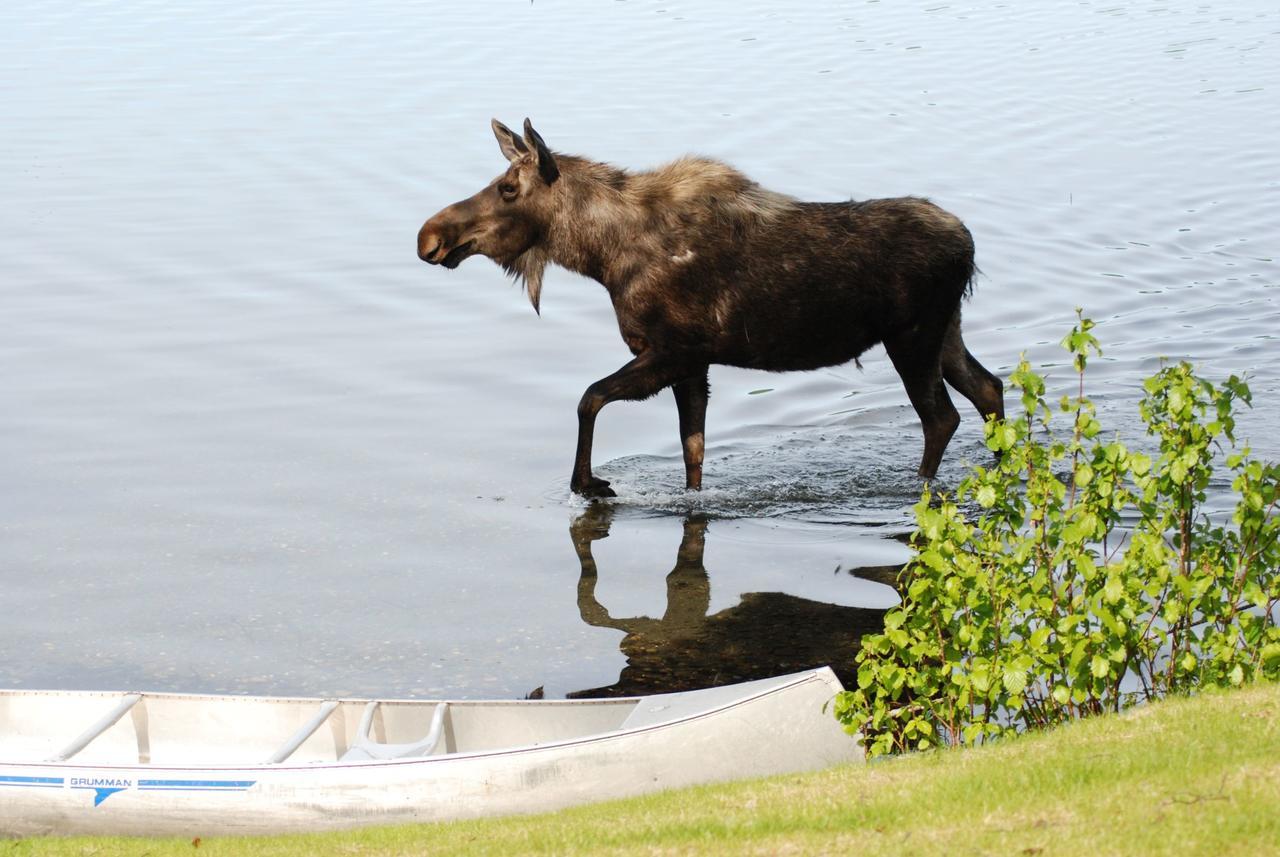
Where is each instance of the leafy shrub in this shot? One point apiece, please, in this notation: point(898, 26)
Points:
point(1076, 576)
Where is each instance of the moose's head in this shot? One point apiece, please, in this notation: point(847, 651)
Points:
point(506, 219)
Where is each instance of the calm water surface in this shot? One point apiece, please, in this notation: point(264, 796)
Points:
point(249, 443)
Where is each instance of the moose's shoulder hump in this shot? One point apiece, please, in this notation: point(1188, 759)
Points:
point(698, 182)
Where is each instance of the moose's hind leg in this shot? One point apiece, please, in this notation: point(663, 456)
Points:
point(921, 372)
point(969, 377)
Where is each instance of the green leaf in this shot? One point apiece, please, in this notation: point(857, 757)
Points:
point(1038, 638)
point(1015, 681)
point(1084, 474)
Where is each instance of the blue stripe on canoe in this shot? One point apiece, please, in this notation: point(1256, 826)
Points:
point(31, 781)
point(225, 785)
point(192, 789)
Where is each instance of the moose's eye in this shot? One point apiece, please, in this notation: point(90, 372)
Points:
point(508, 191)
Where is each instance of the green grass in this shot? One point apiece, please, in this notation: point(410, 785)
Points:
point(1198, 776)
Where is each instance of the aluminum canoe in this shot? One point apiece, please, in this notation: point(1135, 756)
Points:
point(191, 765)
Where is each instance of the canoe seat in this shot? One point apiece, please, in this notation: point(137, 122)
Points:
point(365, 749)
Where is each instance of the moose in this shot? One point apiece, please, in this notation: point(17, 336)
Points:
point(703, 266)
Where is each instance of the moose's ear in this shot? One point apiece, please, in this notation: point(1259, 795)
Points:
point(512, 146)
point(547, 165)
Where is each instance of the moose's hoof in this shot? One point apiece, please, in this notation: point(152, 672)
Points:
point(595, 488)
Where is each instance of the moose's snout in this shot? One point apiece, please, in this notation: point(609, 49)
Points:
point(430, 244)
point(439, 245)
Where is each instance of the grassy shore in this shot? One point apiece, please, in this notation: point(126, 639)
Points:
point(1197, 776)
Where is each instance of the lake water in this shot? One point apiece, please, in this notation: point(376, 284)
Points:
point(249, 443)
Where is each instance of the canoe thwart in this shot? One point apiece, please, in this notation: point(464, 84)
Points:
point(288, 748)
point(108, 720)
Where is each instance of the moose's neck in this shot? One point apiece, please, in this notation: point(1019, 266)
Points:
point(602, 230)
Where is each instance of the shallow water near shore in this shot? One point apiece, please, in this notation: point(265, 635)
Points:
point(249, 443)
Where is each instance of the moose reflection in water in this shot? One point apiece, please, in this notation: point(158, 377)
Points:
point(765, 634)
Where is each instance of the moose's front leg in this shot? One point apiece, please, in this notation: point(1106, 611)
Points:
point(639, 379)
point(691, 404)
